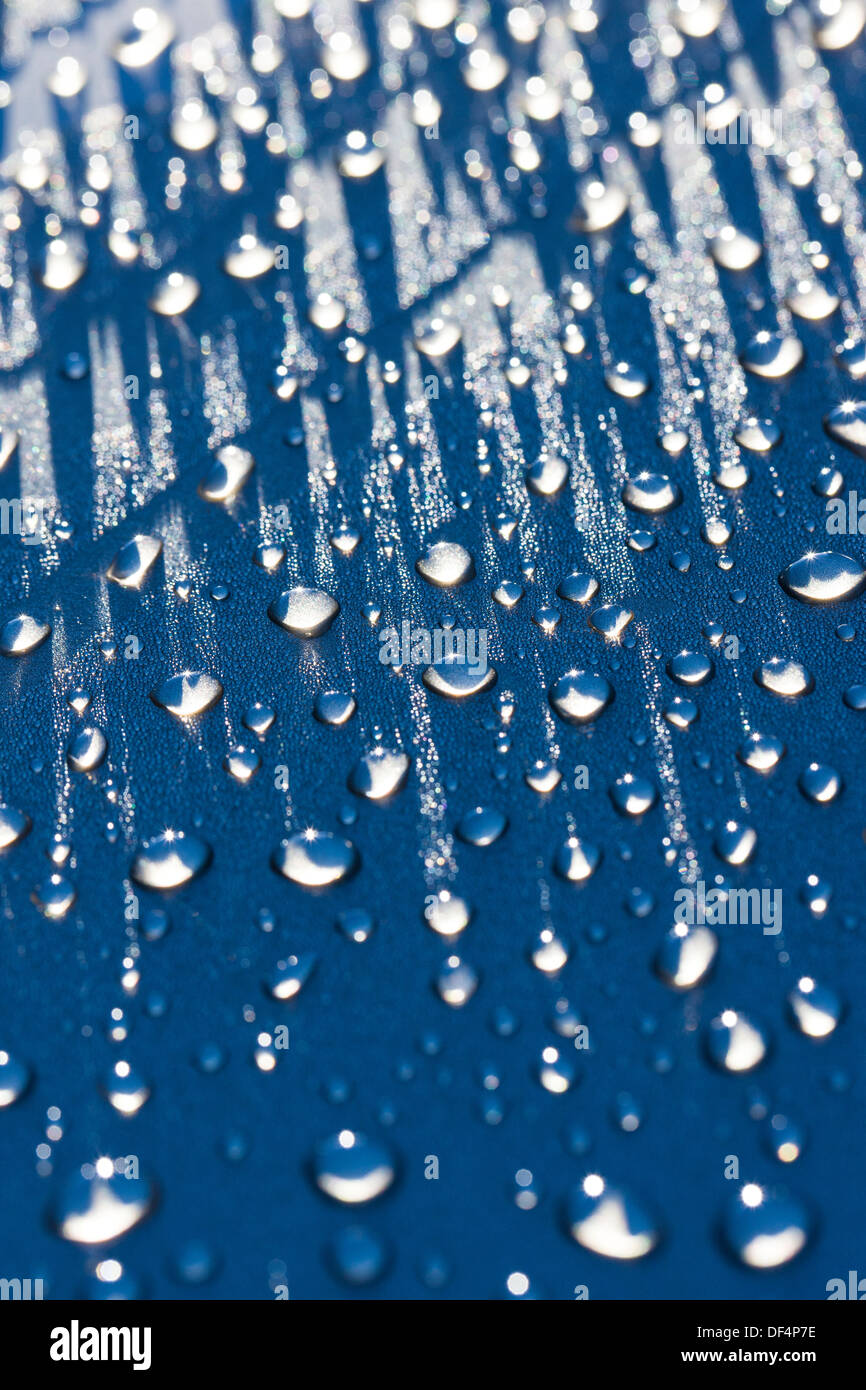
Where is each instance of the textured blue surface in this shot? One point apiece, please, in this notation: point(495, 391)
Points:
point(372, 1045)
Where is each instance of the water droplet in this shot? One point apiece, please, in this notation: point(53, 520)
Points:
point(457, 678)
point(627, 380)
point(242, 763)
point(735, 843)
point(846, 423)
point(134, 561)
point(764, 1228)
point(227, 474)
point(786, 678)
point(610, 1220)
point(812, 301)
point(125, 1089)
point(690, 668)
point(315, 858)
point(446, 564)
point(819, 783)
point(304, 612)
point(686, 955)
point(734, 250)
point(170, 859)
point(633, 795)
point(23, 634)
point(761, 752)
point(15, 1077)
point(441, 337)
point(327, 313)
point(247, 258)
point(735, 1043)
point(188, 694)
point(352, 1168)
point(815, 1008)
point(99, 1204)
point(447, 913)
point(576, 860)
point(334, 707)
point(288, 977)
point(482, 825)
point(756, 434)
point(543, 776)
point(547, 476)
point(824, 577)
point(772, 355)
point(599, 205)
point(54, 896)
point(379, 774)
point(456, 982)
point(611, 620)
point(580, 696)
point(14, 825)
point(651, 492)
point(174, 294)
point(851, 357)
point(87, 749)
point(577, 587)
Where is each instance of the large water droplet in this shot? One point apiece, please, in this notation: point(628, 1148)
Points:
point(188, 694)
point(352, 1168)
point(610, 1220)
point(580, 696)
point(304, 612)
point(379, 774)
point(772, 355)
point(134, 561)
point(764, 1228)
point(823, 577)
point(100, 1204)
point(170, 859)
point(227, 474)
point(846, 423)
point(446, 564)
point(315, 858)
point(23, 634)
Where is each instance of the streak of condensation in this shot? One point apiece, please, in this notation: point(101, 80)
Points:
point(297, 356)
point(784, 231)
point(19, 335)
point(819, 125)
point(513, 265)
point(329, 258)
point(24, 407)
point(682, 850)
point(224, 389)
point(163, 466)
point(702, 315)
point(377, 489)
point(117, 456)
point(437, 843)
point(430, 242)
point(321, 479)
point(103, 131)
point(429, 495)
point(661, 74)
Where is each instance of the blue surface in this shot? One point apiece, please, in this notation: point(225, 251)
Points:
point(372, 1046)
